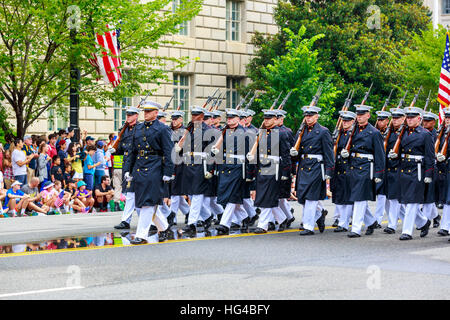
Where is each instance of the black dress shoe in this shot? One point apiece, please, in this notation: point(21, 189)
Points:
point(436, 221)
point(245, 224)
point(340, 229)
point(389, 230)
point(122, 225)
point(405, 236)
point(219, 217)
point(271, 226)
point(353, 235)
point(378, 226)
point(138, 241)
point(301, 226)
point(208, 222)
point(282, 226)
point(234, 226)
point(321, 221)
point(370, 228)
point(171, 218)
point(162, 236)
point(306, 233)
point(336, 223)
point(443, 233)
point(200, 224)
point(253, 220)
point(222, 230)
point(189, 228)
point(288, 224)
point(425, 229)
point(152, 231)
point(260, 230)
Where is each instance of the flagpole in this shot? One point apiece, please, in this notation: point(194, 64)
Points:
point(74, 92)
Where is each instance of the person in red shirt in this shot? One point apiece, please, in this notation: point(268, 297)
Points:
point(51, 146)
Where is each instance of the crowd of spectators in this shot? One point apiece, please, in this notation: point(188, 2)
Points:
point(47, 175)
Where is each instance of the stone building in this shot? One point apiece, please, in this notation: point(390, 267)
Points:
point(217, 42)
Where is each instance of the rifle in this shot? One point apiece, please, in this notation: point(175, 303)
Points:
point(386, 102)
point(255, 145)
point(397, 144)
point(355, 125)
point(211, 108)
point(242, 101)
point(168, 103)
point(426, 106)
point(303, 125)
point(276, 101)
point(115, 145)
point(445, 145)
point(180, 143)
point(337, 130)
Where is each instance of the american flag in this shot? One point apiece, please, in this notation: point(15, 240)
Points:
point(59, 201)
point(444, 82)
point(108, 65)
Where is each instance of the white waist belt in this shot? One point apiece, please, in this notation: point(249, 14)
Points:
point(412, 156)
point(318, 157)
point(368, 156)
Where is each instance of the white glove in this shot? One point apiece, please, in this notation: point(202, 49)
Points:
point(392, 155)
point(250, 157)
point(177, 148)
point(327, 177)
point(293, 152)
point(284, 178)
point(127, 177)
point(166, 178)
point(214, 151)
point(378, 180)
point(208, 175)
point(344, 153)
point(249, 180)
point(427, 180)
point(440, 157)
point(112, 150)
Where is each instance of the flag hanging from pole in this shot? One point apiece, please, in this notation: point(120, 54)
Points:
point(108, 64)
point(444, 82)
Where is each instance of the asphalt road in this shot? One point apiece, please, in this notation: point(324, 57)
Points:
point(274, 266)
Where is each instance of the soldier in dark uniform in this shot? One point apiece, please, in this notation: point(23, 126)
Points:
point(444, 162)
point(273, 166)
point(339, 182)
point(196, 171)
point(429, 208)
point(150, 166)
point(416, 170)
point(123, 149)
point(177, 200)
point(216, 118)
point(396, 210)
point(382, 202)
point(316, 163)
point(367, 162)
point(232, 173)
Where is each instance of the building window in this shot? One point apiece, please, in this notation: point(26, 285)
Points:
point(233, 20)
point(232, 92)
point(120, 115)
point(56, 121)
point(184, 25)
point(181, 93)
point(446, 7)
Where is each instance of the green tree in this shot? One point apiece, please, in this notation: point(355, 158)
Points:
point(36, 50)
point(421, 64)
point(363, 42)
point(297, 70)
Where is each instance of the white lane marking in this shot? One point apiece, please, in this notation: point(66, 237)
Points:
point(40, 230)
point(38, 291)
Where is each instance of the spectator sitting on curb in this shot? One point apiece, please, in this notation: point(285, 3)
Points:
point(85, 196)
point(48, 196)
point(104, 193)
point(32, 190)
point(74, 203)
point(61, 206)
point(15, 200)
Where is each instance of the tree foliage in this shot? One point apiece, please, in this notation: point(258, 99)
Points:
point(36, 50)
point(353, 52)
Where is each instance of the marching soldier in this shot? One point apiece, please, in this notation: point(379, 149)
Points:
point(121, 156)
point(431, 189)
point(196, 172)
point(367, 160)
point(382, 202)
point(416, 170)
point(232, 173)
point(444, 162)
point(217, 117)
point(177, 200)
point(396, 210)
point(249, 119)
point(270, 160)
point(339, 182)
point(316, 162)
point(149, 166)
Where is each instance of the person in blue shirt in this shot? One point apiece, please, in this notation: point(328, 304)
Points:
point(89, 168)
point(99, 157)
point(15, 200)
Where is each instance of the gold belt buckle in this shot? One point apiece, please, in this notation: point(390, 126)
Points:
point(141, 152)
